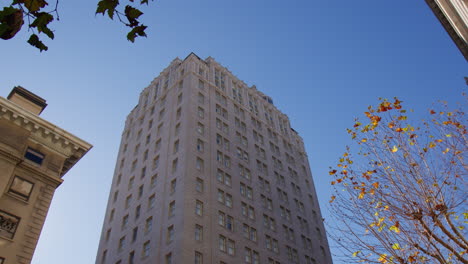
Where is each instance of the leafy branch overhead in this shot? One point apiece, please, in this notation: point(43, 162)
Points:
point(131, 14)
point(400, 193)
point(38, 17)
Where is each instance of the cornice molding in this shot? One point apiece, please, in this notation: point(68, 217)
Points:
point(59, 140)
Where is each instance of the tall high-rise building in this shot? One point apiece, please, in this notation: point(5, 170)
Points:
point(210, 171)
point(34, 156)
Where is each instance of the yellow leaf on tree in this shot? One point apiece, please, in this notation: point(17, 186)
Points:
point(361, 195)
point(355, 253)
point(383, 258)
point(394, 149)
point(376, 185)
point(396, 246)
point(432, 144)
point(395, 228)
point(364, 140)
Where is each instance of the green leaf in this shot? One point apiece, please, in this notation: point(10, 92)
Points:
point(35, 42)
point(34, 5)
point(41, 22)
point(11, 21)
point(4, 29)
point(132, 15)
point(107, 5)
point(135, 32)
point(7, 10)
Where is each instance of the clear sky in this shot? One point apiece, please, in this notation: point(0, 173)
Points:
point(322, 62)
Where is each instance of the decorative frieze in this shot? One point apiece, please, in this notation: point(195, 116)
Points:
point(8, 224)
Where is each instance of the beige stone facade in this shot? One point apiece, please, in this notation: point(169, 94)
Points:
point(453, 15)
point(209, 171)
point(34, 156)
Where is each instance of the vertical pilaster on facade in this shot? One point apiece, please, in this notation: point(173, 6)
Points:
point(210, 171)
point(34, 156)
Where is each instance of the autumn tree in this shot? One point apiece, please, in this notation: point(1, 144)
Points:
point(39, 15)
point(400, 191)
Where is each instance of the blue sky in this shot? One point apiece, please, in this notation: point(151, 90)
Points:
point(323, 63)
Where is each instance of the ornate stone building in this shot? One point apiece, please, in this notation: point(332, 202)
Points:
point(453, 15)
point(34, 156)
point(210, 171)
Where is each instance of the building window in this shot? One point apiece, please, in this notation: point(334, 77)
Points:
point(231, 247)
point(137, 148)
point(151, 201)
point(173, 186)
point(8, 225)
point(169, 258)
point(116, 194)
point(146, 249)
point(200, 145)
point(178, 113)
point(222, 243)
point(124, 222)
point(201, 112)
point(171, 209)
point(140, 191)
point(21, 188)
point(223, 177)
point(131, 257)
point(199, 164)
point(201, 98)
point(156, 162)
point(170, 234)
point(159, 129)
point(153, 180)
point(34, 156)
point(121, 243)
point(199, 185)
point(134, 234)
point(174, 165)
point(177, 129)
point(246, 191)
point(200, 128)
point(247, 211)
point(179, 98)
point(198, 232)
point(249, 232)
point(149, 224)
point(226, 221)
point(128, 200)
point(199, 208)
point(137, 212)
point(198, 258)
point(145, 155)
point(108, 233)
point(103, 258)
point(111, 217)
point(161, 114)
